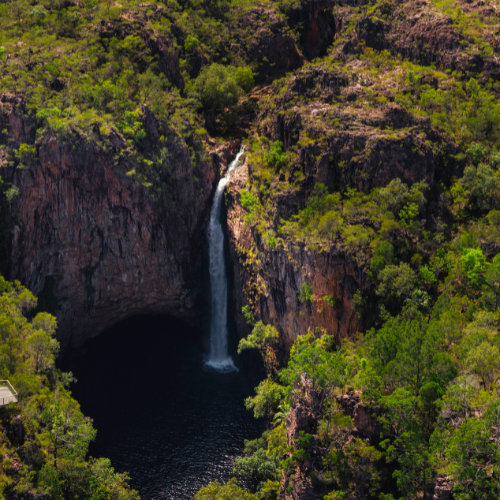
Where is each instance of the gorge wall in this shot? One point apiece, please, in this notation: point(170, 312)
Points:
point(270, 279)
point(97, 245)
point(100, 236)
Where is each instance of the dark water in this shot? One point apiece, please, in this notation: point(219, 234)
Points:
point(160, 415)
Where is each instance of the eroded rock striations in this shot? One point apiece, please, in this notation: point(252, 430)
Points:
point(96, 244)
point(272, 278)
point(323, 114)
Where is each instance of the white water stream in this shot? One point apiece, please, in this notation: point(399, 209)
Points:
point(219, 358)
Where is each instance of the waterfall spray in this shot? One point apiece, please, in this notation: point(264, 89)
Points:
point(218, 357)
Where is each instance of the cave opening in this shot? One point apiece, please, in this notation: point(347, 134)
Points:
point(159, 413)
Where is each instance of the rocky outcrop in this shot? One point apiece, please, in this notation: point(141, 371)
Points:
point(364, 416)
point(442, 489)
point(261, 37)
point(421, 32)
point(159, 46)
point(303, 417)
point(343, 142)
point(271, 279)
point(93, 239)
point(315, 23)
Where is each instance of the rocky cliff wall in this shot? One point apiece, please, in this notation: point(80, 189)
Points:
point(270, 279)
point(98, 245)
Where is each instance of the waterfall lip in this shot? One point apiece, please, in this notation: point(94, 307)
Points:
point(218, 358)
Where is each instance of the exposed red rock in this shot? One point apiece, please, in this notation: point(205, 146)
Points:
point(94, 242)
point(271, 278)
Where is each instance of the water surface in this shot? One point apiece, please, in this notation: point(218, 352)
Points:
point(160, 415)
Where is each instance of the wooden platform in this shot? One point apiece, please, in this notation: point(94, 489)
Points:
point(7, 393)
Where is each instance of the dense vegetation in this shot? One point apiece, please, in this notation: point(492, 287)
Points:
point(427, 369)
point(44, 438)
point(428, 376)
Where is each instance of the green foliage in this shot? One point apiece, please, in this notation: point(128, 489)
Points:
point(367, 224)
point(424, 368)
point(251, 203)
point(396, 283)
point(221, 86)
point(484, 361)
point(268, 396)
point(11, 193)
point(26, 154)
point(408, 214)
point(245, 78)
point(472, 454)
point(261, 337)
point(131, 127)
point(476, 153)
point(310, 358)
point(56, 435)
point(427, 275)
point(191, 43)
point(248, 315)
point(265, 338)
point(276, 157)
point(306, 294)
point(271, 242)
point(475, 264)
point(228, 491)
point(332, 301)
point(248, 200)
point(254, 470)
point(469, 112)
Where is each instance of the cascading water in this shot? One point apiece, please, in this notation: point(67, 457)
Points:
point(219, 358)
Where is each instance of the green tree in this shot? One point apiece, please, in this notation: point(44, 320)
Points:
point(396, 283)
point(484, 361)
point(268, 397)
point(491, 287)
point(60, 426)
point(330, 224)
point(475, 264)
point(244, 77)
point(228, 491)
point(255, 469)
point(306, 294)
point(191, 43)
point(218, 88)
point(406, 445)
point(276, 157)
point(472, 454)
point(265, 338)
point(42, 349)
point(475, 153)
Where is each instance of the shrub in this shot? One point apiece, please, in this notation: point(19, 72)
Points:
point(306, 294)
point(191, 43)
point(276, 158)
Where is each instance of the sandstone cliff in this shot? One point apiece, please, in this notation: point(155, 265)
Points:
point(98, 245)
point(271, 278)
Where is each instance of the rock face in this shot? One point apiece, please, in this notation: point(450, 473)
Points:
point(363, 416)
point(315, 24)
point(261, 37)
point(349, 144)
point(160, 46)
point(302, 417)
point(97, 245)
point(420, 32)
point(271, 279)
point(322, 114)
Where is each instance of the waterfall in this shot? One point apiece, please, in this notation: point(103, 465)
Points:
point(218, 357)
